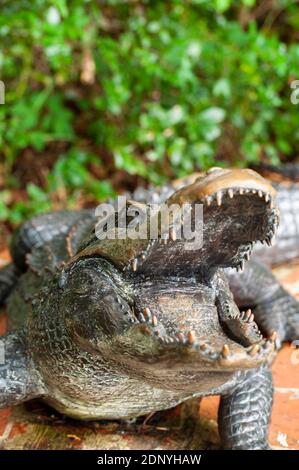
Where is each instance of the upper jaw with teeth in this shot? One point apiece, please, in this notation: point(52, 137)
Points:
point(231, 192)
point(225, 195)
point(215, 191)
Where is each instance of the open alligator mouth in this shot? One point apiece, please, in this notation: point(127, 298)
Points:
point(238, 211)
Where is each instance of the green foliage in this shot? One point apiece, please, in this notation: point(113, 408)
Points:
point(171, 87)
point(71, 172)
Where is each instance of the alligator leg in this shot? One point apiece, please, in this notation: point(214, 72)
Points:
point(8, 279)
point(18, 380)
point(39, 231)
point(274, 308)
point(244, 412)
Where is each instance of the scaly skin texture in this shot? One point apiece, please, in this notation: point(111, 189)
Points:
point(121, 328)
point(19, 379)
point(239, 412)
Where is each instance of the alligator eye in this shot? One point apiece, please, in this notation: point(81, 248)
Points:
point(82, 283)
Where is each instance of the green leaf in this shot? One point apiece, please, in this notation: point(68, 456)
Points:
point(101, 190)
point(222, 88)
point(249, 3)
point(214, 115)
point(126, 160)
point(222, 5)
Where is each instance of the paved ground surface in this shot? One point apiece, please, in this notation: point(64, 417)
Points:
point(35, 426)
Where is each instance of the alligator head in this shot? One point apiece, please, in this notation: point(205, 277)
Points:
point(160, 308)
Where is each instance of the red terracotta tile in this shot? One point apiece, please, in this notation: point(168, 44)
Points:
point(209, 407)
point(4, 417)
point(284, 429)
point(285, 368)
point(18, 428)
point(3, 323)
point(4, 257)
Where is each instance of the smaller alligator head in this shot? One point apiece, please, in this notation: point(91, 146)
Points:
point(160, 311)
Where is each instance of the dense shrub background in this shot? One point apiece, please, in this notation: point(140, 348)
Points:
point(102, 95)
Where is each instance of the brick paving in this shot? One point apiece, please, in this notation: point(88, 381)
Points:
point(35, 426)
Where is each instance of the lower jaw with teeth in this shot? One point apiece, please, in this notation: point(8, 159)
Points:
point(228, 355)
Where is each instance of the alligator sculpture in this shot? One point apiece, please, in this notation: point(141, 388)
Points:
point(115, 329)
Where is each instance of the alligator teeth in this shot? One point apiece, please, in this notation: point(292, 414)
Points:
point(254, 350)
point(141, 318)
point(273, 336)
point(225, 351)
point(251, 318)
point(208, 200)
point(247, 256)
point(180, 337)
point(135, 264)
point(248, 313)
point(267, 197)
point(260, 193)
point(241, 191)
point(172, 234)
point(230, 193)
point(191, 337)
point(219, 198)
point(147, 314)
